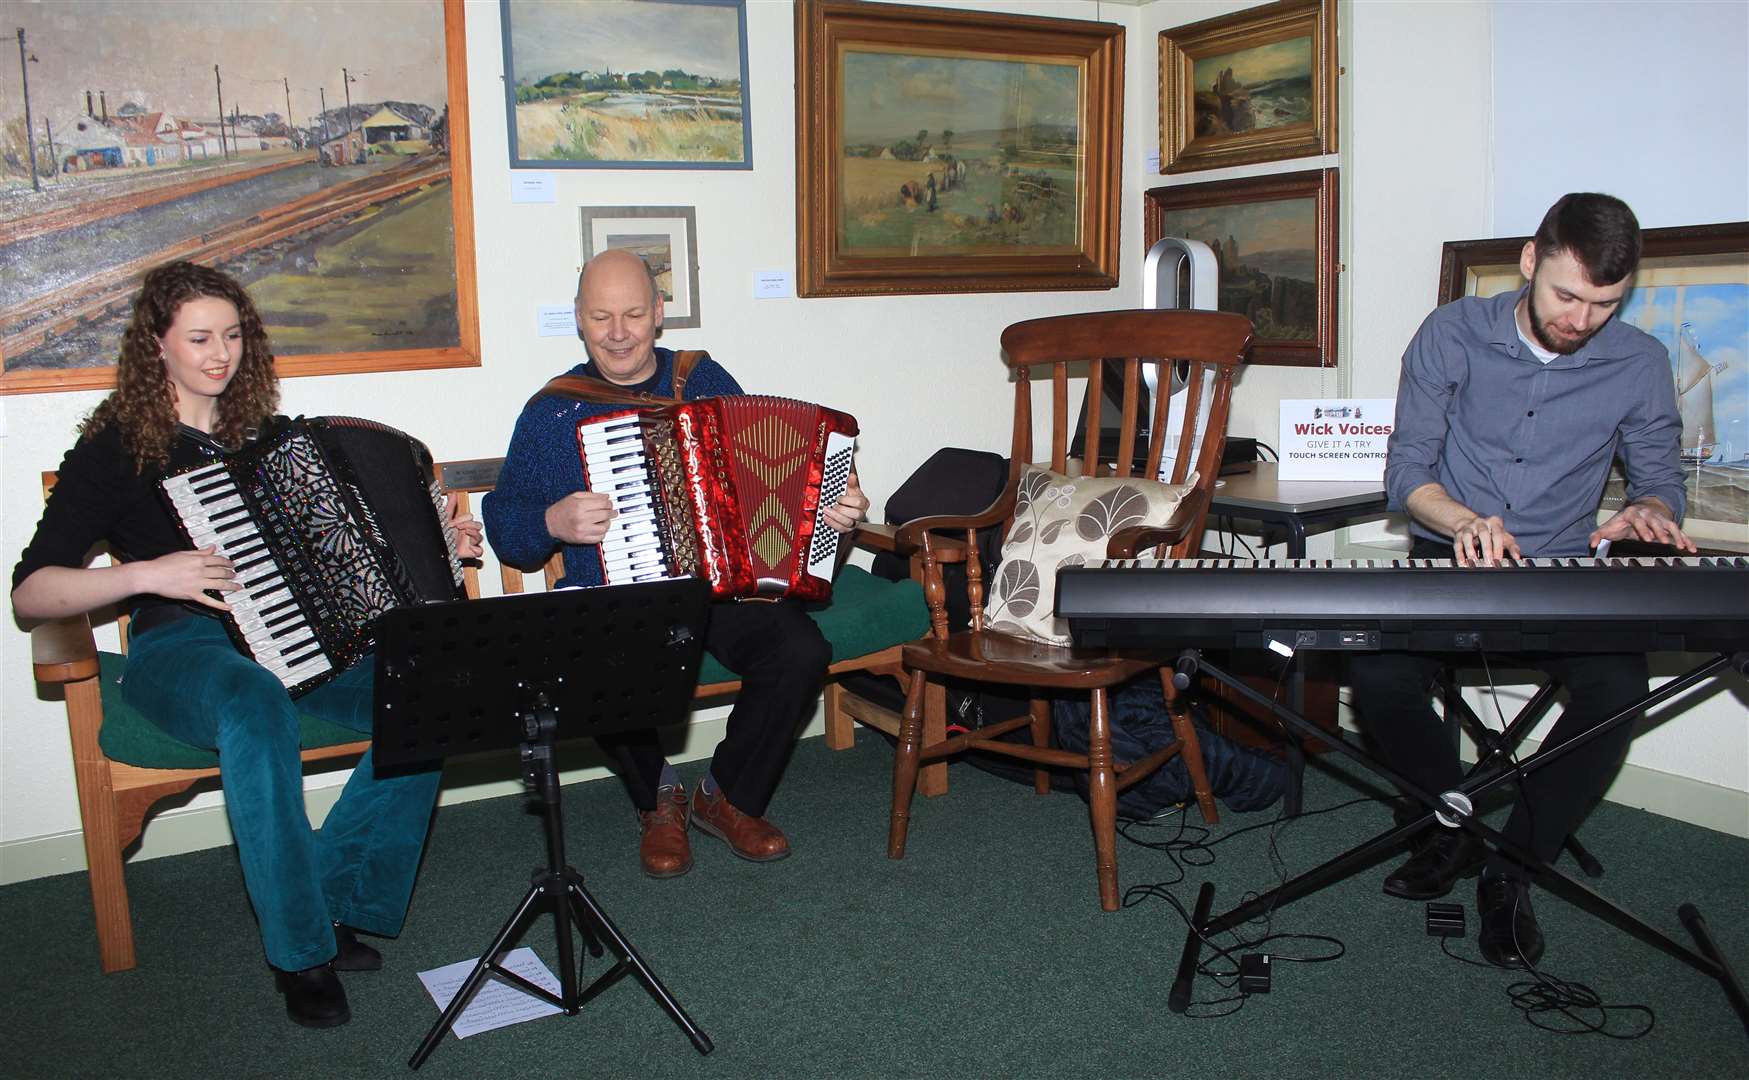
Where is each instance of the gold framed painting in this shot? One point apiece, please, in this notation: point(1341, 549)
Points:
point(1691, 293)
point(955, 151)
point(1256, 85)
point(1275, 240)
point(338, 191)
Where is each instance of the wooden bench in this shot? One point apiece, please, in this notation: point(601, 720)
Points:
point(124, 765)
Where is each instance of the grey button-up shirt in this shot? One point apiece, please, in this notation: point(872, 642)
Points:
point(1506, 434)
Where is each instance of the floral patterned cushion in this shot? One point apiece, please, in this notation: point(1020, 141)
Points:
point(1065, 521)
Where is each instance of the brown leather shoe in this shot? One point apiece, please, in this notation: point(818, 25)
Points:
point(664, 849)
point(752, 838)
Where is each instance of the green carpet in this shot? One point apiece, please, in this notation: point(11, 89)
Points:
point(982, 954)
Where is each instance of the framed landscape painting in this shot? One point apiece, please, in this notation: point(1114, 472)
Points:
point(1256, 85)
point(1691, 293)
point(627, 84)
point(666, 238)
point(1275, 240)
point(338, 190)
point(955, 151)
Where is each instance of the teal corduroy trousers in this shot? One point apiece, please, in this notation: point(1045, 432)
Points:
point(187, 678)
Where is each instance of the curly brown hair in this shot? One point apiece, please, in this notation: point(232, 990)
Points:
point(143, 404)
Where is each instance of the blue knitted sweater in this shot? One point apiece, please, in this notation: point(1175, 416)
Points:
point(543, 467)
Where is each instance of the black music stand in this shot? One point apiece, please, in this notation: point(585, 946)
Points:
point(1455, 806)
point(471, 675)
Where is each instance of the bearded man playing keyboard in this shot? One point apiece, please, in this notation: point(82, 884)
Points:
point(1509, 413)
point(541, 502)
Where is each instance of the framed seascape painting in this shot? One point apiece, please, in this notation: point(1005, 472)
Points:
point(955, 151)
point(666, 238)
point(316, 150)
point(1256, 85)
point(1275, 240)
point(1691, 293)
point(627, 84)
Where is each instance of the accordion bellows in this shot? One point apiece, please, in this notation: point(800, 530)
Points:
point(730, 489)
point(329, 522)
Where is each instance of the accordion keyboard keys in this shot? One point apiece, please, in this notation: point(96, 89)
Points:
point(614, 449)
point(266, 614)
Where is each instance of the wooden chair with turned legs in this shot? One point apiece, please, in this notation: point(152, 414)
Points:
point(1212, 345)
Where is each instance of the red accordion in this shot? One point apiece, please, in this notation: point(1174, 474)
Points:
point(730, 489)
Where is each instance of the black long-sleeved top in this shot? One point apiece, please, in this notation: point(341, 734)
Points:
point(98, 496)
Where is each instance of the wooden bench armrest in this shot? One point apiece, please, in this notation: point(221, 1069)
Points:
point(64, 650)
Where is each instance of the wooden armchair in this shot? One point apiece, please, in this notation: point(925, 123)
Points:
point(1214, 344)
point(124, 765)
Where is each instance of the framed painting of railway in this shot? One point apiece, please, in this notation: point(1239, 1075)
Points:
point(955, 151)
point(1691, 293)
point(627, 84)
point(1275, 240)
point(316, 150)
point(1255, 85)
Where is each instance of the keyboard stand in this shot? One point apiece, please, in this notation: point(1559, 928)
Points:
point(1708, 960)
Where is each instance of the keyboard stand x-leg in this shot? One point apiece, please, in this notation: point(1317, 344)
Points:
point(1454, 806)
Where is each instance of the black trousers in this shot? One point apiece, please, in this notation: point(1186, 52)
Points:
point(781, 658)
point(1393, 703)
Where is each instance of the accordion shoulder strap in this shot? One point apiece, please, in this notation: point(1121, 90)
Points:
point(600, 391)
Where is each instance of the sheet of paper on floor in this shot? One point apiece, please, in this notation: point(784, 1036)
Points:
point(498, 1003)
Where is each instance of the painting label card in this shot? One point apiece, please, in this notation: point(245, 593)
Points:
point(498, 1003)
point(772, 285)
point(532, 187)
point(1326, 439)
point(556, 320)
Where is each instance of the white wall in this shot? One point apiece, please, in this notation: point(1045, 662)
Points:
point(1419, 168)
point(1654, 109)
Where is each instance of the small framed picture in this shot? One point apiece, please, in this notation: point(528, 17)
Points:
point(665, 238)
point(1255, 85)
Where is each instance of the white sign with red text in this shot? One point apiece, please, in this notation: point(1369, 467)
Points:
point(1335, 439)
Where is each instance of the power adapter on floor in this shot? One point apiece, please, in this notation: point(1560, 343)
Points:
point(1254, 973)
point(1445, 920)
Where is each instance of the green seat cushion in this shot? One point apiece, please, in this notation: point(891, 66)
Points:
point(129, 737)
point(867, 614)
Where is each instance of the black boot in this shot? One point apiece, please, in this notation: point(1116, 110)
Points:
point(352, 954)
point(1509, 937)
point(314, 996)
point(1439, 860)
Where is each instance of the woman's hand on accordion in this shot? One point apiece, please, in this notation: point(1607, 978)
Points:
point(189, 575)
point(850, 508)
point(581, 517)
point(469, 539)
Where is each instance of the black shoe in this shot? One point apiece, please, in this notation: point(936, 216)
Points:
point(353, 954)
point(314, 996)
point(1438, 862)
point(1510, 937)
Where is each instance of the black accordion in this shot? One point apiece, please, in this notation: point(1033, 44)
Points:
point(329, 521)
